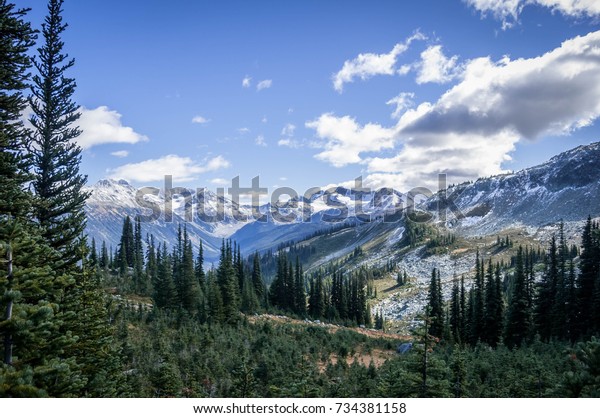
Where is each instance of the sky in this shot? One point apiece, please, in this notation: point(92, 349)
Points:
point(316, 93)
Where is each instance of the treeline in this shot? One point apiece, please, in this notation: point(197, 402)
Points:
point(551, 296)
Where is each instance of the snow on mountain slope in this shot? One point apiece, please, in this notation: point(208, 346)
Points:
point(567, 188)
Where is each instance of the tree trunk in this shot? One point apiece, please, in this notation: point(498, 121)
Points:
point(8, 347)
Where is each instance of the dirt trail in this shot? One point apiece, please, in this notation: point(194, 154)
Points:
point(371, 333)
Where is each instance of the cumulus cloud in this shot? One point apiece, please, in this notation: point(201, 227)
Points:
point(435, 67)
point(264, 84)
point(120, 154)
point(344, 140)
point(367, 65)
point(103, 126)
point(473, 127)
point(200, 120)
point(508, 11)
point(246, 81)
point(181, 168)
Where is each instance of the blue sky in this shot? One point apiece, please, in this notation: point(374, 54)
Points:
point(311, 93)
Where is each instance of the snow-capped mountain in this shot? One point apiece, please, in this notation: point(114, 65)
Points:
point(211, 217)
point(112, 200)
point(567, 188)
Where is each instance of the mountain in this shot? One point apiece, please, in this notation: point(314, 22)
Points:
point(567, 187)
point(278, 223)
point(112, 200)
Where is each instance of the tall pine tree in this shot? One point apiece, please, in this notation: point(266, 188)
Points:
point(58, 184)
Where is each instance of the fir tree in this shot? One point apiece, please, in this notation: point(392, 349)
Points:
point(257, 281)
point(435, 304)
point(189, 292)
point(228, 283)
point(518, 320)
point(58, 184)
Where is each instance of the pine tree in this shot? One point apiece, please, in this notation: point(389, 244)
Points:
point(58, 184)
point(588, 275)
point(257, 281)
point(227, 280)
point(189, 292)
point(104, 261)
point(518, 320)
point(316, 300)
point(165, 292)
point(199, 268)
point(38, 355)
point(477, 320)
point(299, 292)
point(17, 37)
point(126, 250)
point(435, 304)
point(455, 312)
point(493, 306)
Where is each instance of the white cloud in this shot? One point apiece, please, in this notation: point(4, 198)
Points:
point(283, 178)
point(264, 119)
point(200, 120)
point(402, 102)
point(220, 182)
point(246, 82)
point(181, 168)
point(435, 67)
point(290, 143)
point(508, 11)
point(260, 141)
point(120, 154)
point(288, 130)
point(473, 127)
point(103, 126)
point(345, 140)
point(264, 84)
point(243, 130)
point(367, 65)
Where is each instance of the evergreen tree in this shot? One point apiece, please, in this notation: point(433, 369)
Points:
point(228, 283)
point(493, 306)
point(299, 292)
point(165, 292)
point(199, 269)
point(257, 281)
point(58, 184)
point(436, 306)
point(126, 250)
point(477, 320)
point(518, 320)
point(93, 254)
point(588, 275)
point(455, 312)
point(316, 300)
point(104, 261)
point(189, 292)
point(546, 295)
